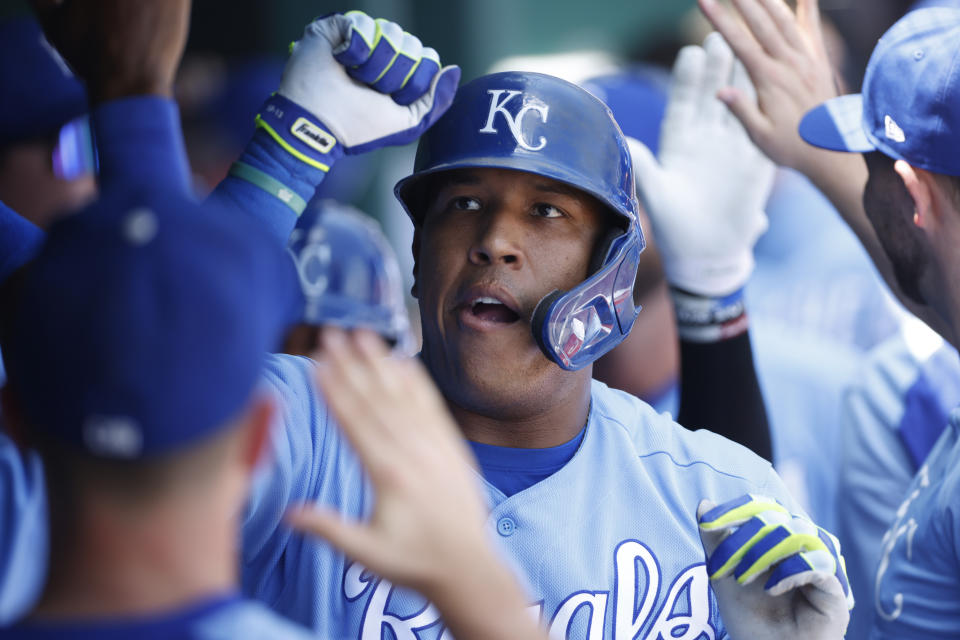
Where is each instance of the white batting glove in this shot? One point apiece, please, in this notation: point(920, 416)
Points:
point(353, 84)
point(706, 194)
point(775, 574)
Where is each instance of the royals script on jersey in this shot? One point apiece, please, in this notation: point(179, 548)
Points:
point(917, 584)
point(607, 546)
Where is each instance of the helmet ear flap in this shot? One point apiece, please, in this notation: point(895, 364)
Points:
point(603, 248)
point(538, 320)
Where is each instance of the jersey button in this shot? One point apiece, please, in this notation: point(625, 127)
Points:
point(506, 526)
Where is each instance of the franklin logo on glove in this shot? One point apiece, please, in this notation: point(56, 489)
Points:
point(313, 135)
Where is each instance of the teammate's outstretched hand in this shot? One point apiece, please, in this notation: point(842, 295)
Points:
point(353, 84)
point(786, 58)
point(427, 529)
point(707, 193)
point(119, 48)
point(776, 575)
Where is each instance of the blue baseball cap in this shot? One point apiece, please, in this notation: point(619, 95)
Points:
point(909, 108)
point(38, 91)
point(142, 325)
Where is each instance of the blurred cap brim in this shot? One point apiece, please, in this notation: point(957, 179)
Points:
point(837, 125)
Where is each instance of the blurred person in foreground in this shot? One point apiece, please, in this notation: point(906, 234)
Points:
point(903, 205)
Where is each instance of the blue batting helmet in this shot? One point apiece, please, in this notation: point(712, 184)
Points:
point(544, 125)
point(348, 272)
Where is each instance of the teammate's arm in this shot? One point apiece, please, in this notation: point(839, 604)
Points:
point(784, 54)
point(127, 54)
point(352, 84)
point(705, 195)
point(427, 529)
point(719, 391)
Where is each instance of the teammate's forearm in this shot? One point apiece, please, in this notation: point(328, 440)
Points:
point(140, 143)
point(719, 391)
point(269, 184)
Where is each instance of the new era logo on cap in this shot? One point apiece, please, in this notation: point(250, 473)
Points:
point(113, 436)
point(912, 84)
point(893, 130)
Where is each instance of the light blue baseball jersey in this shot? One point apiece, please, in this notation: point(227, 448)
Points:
point(607, 545)
point(222, 618)
point(816, 306)
point(918, 578)
point(892, 415)
point(23, 530)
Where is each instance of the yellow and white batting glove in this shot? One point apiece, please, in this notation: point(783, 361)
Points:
point(353, 84)
point(775, 574)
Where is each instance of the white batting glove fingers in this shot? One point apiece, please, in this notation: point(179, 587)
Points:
point(706, 193)
point(354, 84)
point(760, 557)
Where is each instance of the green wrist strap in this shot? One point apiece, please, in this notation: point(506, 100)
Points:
point(269, 184)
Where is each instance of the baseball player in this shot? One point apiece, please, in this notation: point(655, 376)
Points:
point(892, 418)
point(348, 276)
point(905, 216)
point(145, 467)
point(523, 187)
point(135, 145)
point(513, 198)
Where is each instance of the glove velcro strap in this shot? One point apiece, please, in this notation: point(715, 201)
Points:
point(271, 185)
point(299, 132)
point(707, 319)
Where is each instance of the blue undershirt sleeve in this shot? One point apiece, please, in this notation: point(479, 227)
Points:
point(269, 184)
point(140, 142)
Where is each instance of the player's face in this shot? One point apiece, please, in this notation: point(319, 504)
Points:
point(492, 244)
point(890, 209)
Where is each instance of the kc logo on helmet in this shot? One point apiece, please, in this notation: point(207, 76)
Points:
point(515, 122)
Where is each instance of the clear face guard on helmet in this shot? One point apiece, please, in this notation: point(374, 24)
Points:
point(575, 328)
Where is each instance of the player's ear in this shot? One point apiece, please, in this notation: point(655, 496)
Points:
point(920, 185)
point(415, 248)
point(257, 440)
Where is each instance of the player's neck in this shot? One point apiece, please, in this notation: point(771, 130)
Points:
point(112, 563)
point(562, 416)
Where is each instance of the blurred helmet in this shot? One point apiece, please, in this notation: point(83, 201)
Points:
point(348, 273)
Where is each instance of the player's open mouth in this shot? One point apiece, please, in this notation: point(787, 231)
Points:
point(486, 307)
point(492, 310)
